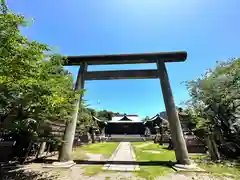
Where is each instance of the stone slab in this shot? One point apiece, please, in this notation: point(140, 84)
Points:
point(189, 168)
point(67, 164)
point(124, 152)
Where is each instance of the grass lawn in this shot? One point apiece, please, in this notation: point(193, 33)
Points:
point(215, 169)
point(150, 172)
point(79, 154)
point(106, 149)
point(219, 169)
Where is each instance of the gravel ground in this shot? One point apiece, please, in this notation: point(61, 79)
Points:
point(36, 172)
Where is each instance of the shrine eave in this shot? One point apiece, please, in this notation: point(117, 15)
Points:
point(101, 121)
point(177, 56)
point(124, 122)
point(154, 118)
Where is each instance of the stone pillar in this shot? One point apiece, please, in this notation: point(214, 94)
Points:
point(66, 149)
point(41, 149)
point(103, 131)
point(93, 137)
point(174, 123)
point(161, 134)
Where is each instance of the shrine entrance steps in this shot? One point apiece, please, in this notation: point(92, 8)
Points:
point(125, 138)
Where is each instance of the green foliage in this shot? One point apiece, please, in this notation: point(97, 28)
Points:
point(146, 118)
point(143, 154)
point(3, 7)
point(85, 119)
point(106, 115)
point(106, 149)
point(33, 82)
point(215, 100)
point(223, 168)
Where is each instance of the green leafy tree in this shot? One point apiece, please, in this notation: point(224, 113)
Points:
point(106, 115)
point(34, 86)
point(215, 100)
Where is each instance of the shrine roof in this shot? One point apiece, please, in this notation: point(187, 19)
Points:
point(121, 119)
point(177, 56)
point(156, 117)
point(126, 118)
point(99, 120)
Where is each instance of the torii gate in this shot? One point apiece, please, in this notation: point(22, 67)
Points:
point(161, 72)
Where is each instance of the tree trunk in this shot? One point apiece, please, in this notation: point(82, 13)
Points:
point(174, 123)
point(212, 147)
point(66, 149)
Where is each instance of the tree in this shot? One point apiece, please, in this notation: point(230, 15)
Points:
point(215, 101)
point(91, 111)
point(34, 86)
point(146, 118)
point(105, 115)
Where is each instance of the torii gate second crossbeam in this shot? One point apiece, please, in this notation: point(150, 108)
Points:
point(161, 72)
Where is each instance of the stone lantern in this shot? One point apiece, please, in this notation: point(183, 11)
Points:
point(92, 131)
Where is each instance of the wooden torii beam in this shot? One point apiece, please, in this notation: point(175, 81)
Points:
point(127, 58)
point(122, 74)
point(160, 58)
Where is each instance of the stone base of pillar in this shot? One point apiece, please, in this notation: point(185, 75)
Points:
point(189, 168)
point(66, 164)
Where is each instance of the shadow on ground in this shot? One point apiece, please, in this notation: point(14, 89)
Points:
point(166, 148)
point(18, 172)
point(21, 172)
point(88, 162)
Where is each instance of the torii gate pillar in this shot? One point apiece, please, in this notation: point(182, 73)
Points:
point(174, 123)
point(66, 149)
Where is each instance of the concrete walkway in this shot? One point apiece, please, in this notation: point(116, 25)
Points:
point(124, 152)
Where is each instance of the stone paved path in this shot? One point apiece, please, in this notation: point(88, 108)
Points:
point(124, 152)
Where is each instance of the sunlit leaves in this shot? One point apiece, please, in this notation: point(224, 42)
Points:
point(33, 82)
point(215, 97)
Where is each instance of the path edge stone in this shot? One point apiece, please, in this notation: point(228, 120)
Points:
point(106, 166)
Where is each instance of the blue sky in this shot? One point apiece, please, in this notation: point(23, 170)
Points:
point(207, 30)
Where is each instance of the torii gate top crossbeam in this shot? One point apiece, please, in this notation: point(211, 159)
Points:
point(127, 58)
